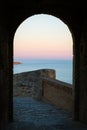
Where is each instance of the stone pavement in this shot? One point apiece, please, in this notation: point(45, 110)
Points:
point(30, 114)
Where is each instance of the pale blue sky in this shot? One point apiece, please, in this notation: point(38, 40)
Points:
point(43, 36)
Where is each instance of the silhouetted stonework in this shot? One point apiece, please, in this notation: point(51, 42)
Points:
point(12, 13)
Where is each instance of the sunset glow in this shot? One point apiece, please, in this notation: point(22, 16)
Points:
point(44, 37)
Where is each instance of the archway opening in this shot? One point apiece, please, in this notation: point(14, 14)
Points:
point(41, 42)
point(44, 37)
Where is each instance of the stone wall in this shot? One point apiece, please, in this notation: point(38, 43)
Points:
point(4, 76)
point(30, 83)
point(58, 93)
point(25, 85)
point(42, 85)
point(83, 75)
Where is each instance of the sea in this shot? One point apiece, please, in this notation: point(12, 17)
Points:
point(63, 68)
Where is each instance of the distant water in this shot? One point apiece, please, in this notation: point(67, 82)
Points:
point(63, 67)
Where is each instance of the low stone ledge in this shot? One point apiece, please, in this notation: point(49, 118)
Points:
point(42, 85)
point(30, 83)
point(26, 85)
point(58, 93)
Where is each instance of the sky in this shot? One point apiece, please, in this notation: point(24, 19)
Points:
point(43, 36)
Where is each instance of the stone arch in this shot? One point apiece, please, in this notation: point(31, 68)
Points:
point(64, 21)
point(24, 18)
point(48, 17)
point(76, 19)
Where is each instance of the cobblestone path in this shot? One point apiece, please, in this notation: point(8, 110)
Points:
point(30, 114)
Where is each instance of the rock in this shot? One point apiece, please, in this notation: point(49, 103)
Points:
point(16, 63)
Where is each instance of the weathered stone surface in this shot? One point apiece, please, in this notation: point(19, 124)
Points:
point(58, 93)
point(39, 85)
point(30, 83)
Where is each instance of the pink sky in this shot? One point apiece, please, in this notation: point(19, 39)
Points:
point(43, 36)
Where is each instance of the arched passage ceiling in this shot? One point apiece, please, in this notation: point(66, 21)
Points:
point(14, 12)
point(68, 11)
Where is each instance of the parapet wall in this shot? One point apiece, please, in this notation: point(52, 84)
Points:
point(45, 87)
point(58, 93)
point(31, 82)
